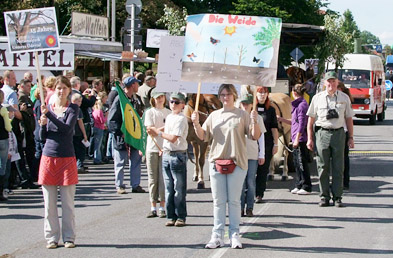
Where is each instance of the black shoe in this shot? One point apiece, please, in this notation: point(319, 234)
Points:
point(270, 178)
point(242, 213)
point(249, 213)
point(138, 189)
point(338, 203)
point(323, 203)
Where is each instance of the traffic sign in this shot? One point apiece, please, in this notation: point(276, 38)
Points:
point(378, 48)
point(137, 25)
point(127, 42)
point(388, 84)
point(138, 6)
point(296, 54)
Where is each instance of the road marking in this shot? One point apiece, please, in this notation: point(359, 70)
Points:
point(243, 229)
point(369, 153)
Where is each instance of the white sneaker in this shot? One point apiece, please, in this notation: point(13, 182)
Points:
point(5, 193)
point(214, 242)
point(303, 192)
point(295, 190)
point(235, 241)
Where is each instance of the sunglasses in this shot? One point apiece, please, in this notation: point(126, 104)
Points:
point(176, 102)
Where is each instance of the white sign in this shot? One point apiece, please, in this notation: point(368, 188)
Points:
point(55, 60)
point(32, 30)
point(89, 25)
point(170, 66)
point(153, 37)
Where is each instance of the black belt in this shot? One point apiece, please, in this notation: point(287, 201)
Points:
point(175, 152)
point(328, 129)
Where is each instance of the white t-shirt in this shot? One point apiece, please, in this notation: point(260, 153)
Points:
point(176, 125)
point(252, 146)
point(155, 117)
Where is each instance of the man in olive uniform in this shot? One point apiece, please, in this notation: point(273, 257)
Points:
point(331, 111)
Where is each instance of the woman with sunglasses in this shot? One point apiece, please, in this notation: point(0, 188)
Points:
point(174, 161)
point(226, 129)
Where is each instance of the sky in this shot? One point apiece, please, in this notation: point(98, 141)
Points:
point(375, 16)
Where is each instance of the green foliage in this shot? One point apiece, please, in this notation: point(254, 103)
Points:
point(265, 37)
point(174, 20)
point(349, 24)
point(335, 44)
point(369, 38)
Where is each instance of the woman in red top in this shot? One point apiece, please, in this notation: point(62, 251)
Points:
point(58, 164)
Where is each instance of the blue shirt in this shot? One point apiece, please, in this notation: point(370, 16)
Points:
point(10, 96)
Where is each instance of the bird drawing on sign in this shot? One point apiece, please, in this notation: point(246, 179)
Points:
point(256, 60)
point(191, 56)
point(214, 41)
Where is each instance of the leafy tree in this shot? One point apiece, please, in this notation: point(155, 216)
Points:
point(174, 20)
point(335, 44)
point(349, 24)
point(369, 38)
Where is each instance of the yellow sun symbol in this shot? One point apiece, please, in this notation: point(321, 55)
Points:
point(230, 30)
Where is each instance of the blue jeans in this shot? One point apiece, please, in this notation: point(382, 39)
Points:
point(80, 151)
point(174, 170)
point(248, 192)
point(226, 189)
point(98, 133)
point(3, 156)
point(119, 158)
point(109, 150)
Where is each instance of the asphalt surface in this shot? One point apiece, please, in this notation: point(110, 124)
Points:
point(286, 225)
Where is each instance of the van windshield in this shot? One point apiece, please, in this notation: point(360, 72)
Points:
point(359, 79)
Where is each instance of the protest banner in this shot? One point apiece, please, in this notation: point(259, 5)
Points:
point(231, 49)
point(234, 49)
point(32, 30)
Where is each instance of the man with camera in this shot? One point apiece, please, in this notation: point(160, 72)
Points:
point(331, 111)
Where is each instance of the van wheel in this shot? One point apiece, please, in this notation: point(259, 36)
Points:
point(381, 116)
point(373, 118)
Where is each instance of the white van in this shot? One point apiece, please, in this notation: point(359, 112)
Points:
point(364, 75)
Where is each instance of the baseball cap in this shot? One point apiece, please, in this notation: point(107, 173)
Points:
point(179, 96)
point(247, 98)
point(129, 81)
point(330, 75)
point(155, 94)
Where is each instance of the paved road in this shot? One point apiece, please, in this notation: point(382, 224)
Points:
point(286, 225)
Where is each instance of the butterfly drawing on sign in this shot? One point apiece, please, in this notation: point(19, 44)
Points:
point(214, 41)
point(191, 56)
point(256, 60)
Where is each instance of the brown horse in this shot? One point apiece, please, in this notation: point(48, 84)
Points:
point(207, 104)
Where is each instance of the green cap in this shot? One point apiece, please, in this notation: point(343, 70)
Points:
point(330, 75)
point(178, 95)
point(247, 98)
point(155, 94)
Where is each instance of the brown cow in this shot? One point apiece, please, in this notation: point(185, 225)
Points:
point(207, 104)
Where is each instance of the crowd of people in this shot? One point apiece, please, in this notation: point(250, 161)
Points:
point(48, 142)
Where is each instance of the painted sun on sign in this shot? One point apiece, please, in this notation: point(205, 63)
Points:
point(230, 30)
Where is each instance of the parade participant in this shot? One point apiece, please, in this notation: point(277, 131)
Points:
point(58, 169)
point(120, 152)
point(299, 140)
point(155, 117)
point(144, 90)
point(268, 114)
point(330, 110)
point(5, 128)
point(174, 161)
point(10, 96)
point(256, 156)
point(226, 129)
point(347, 163)
point(80, 137)
point(100, 118)
point(39, 144)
